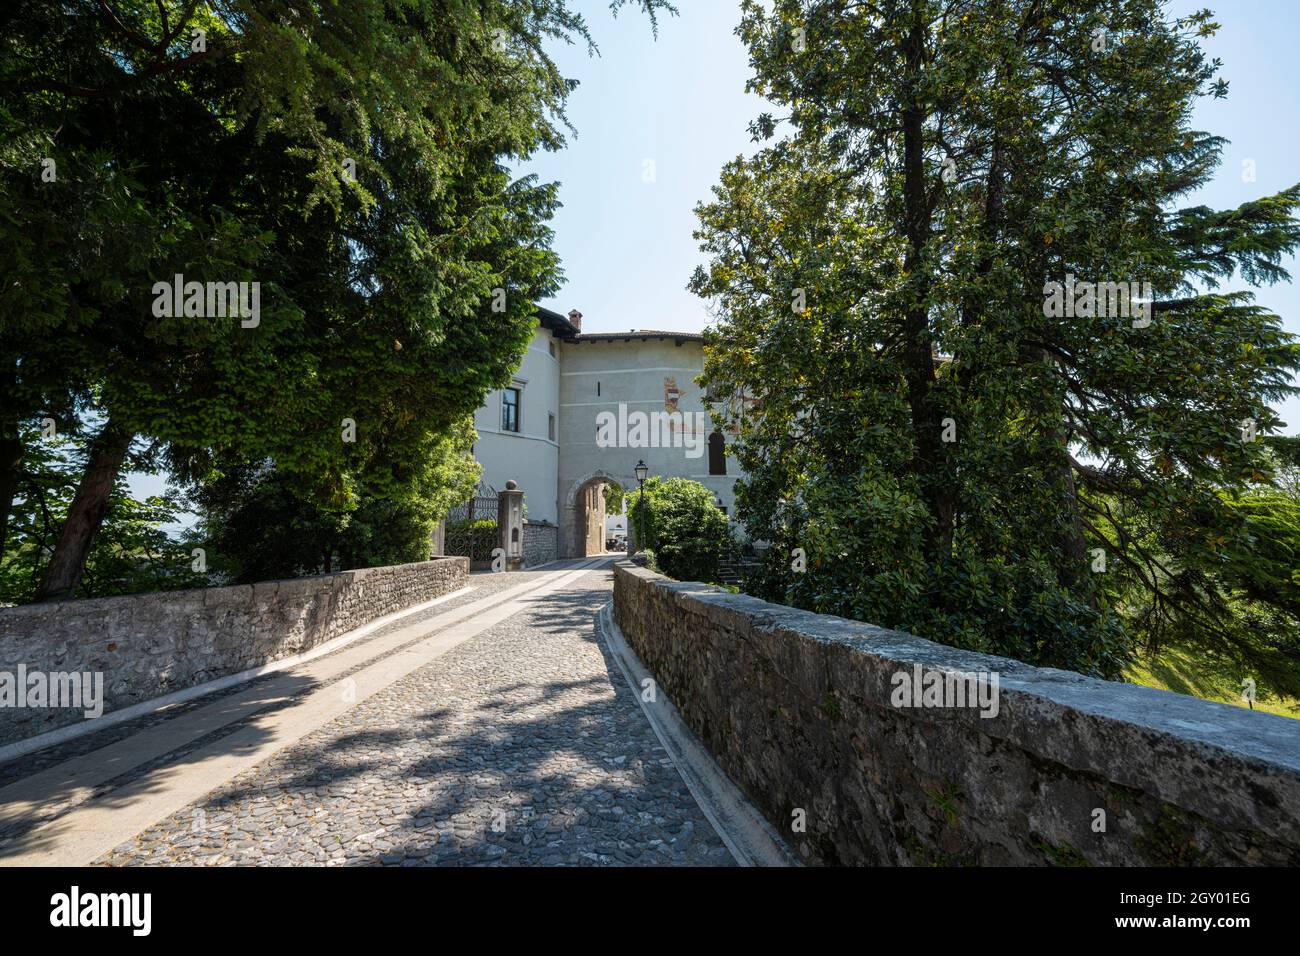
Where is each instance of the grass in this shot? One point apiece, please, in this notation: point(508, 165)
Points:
point(1183, 672)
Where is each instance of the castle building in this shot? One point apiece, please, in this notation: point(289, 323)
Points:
point(581, 411)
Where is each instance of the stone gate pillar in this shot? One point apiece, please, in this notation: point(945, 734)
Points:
point(510, 525)
point(440, 539)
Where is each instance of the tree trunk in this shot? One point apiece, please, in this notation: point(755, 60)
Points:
point(11, 457)
point(1071, 540)
point(86, 514)
point(918, 349)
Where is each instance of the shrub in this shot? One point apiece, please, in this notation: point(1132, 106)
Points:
point(687, 531)
point(695, 559)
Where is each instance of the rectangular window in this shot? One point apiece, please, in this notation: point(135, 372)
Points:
point(550, 426)
point(510, 410)
point(551, 345)
point(717, 454)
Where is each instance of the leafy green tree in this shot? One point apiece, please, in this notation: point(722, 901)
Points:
point(913, 413)
point(139, 547)
point(257, 527)
point(350, 159)
point(614, 497)
point(1236, 602)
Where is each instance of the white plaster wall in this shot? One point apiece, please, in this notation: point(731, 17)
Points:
point(529, 456)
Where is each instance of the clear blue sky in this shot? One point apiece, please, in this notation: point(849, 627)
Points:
point(680, 102)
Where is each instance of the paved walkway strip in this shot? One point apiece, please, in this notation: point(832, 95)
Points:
point(747, 834)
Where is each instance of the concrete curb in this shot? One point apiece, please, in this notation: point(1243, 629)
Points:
point(747, 834)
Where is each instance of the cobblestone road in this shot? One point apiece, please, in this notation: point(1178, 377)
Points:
point(521, 746)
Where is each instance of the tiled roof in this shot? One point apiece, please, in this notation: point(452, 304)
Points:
point(565, 329)
point(642, 334)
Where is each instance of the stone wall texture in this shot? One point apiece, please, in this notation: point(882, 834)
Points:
point(149, 645)
point(798, 709)
point(541, 543)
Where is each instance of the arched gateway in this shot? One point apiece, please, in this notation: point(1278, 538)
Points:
point(582, 514)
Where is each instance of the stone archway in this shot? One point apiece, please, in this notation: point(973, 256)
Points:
point(582, 518)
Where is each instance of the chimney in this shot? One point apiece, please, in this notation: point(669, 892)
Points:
point(575, 318)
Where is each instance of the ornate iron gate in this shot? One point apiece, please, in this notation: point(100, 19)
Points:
point(471, 529)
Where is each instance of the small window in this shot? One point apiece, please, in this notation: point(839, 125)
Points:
point(551, 346)
point(598, 389)
point(550, 426)
point(717, 454)
point(510, 410)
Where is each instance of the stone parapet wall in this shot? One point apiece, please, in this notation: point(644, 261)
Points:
point(808, 714)
point(541, 543)
point(149, 645)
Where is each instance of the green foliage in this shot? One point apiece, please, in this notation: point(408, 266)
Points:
point(1262, 562)
point(947, 453)
point(945, 799)
point(1199, 671)
point(354, 159)
point(269, 533)
point(1229, 597)
point(134, 551)
point(692, 559)
point(1064, 854)
point(614, 497)
point(832, 706)
point(1170, 839)
point(683, 525)
point(258, 527)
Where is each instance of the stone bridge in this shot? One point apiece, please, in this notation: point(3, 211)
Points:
point(423, 715)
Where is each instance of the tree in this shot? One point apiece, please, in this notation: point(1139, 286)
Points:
point(614, 497)
point(257, 527)
point(1235, 605)
point(134, 551)
point(948, 449)
point(347, 159)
